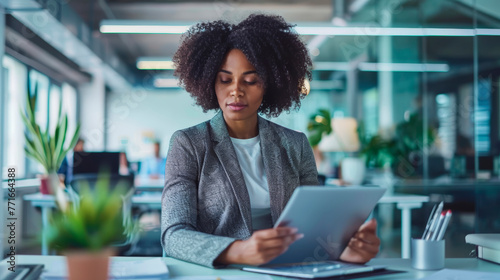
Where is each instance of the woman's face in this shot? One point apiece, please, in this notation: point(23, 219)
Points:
point(238, 88)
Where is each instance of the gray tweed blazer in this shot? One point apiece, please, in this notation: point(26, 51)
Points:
point(205, 203)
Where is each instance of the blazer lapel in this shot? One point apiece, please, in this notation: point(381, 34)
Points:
point(271, 149)
point(224, 150)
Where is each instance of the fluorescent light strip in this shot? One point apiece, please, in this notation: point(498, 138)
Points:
point(488, 32)
point(155, 65)
point(403, 67)
point(146, 29)
point(330, 66)
point(166, 83)
point(143, 26)
point(381, 67)
point(327, 29)
point(382, 31)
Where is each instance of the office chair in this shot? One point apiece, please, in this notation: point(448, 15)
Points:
point(90, 180)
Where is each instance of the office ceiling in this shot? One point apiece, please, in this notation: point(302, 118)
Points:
point(412, 13)
point(131, 46)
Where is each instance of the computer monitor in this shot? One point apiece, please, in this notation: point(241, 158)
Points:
point(95, 162)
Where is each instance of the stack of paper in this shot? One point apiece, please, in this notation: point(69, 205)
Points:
point(133, 269)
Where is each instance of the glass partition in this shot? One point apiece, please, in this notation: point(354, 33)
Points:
point(426, 104)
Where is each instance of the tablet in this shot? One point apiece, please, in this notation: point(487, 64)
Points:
point(328, 217)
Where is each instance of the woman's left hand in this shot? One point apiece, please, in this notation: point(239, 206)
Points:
point(364, 245)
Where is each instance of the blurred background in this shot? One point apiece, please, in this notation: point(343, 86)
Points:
point(420, 79)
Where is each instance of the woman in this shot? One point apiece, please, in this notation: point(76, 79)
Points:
point(228, 179)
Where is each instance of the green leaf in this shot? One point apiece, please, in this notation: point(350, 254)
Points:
point(31, 103)
point(71, 145)
point(60, 137)
point(37, 140)
point(319, 124)
point(30, 147)
point(46, 152)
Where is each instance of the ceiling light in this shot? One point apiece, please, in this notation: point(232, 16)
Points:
point(166, 83)
point(151, 63)
point(160, 27)
point(381, 67)
point(403, 67)
point(331, 66)
point(488, 32)
point(139, 26)
point(381, 31)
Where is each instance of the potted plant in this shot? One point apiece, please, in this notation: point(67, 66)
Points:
point(46, 147)
point(86, 231)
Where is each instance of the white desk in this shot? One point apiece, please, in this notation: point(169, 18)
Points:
point(153, 200)
point(405, 203)
point(148, 184)
point(180, 268)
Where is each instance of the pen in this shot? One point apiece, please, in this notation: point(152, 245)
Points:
point(438, 227)
point(434, 221)
point(429, 221)
point(445, 225)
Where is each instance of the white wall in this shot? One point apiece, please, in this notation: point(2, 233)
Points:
point(135, 116)
point(14, 155)
point(139, 115)
point(92, 111)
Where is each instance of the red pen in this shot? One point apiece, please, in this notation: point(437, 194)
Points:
point(437, 228)
point(444, 226)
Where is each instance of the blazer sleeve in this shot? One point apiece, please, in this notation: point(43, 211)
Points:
point(308, 172)
point(179, 235)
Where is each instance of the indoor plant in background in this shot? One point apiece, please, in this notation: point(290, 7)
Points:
point(86, 231)
point(318, 126)
point(338, 134)
point(48, 148)
point(403, 151)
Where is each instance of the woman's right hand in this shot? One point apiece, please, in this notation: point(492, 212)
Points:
point(262, 247)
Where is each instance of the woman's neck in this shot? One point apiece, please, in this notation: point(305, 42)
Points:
point(243, 129)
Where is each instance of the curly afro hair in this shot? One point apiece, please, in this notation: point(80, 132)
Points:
point(270, 45)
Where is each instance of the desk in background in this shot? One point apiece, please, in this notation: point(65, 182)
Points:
point(149, 184)
point(180, 268)
point(46, 202)
point(405, 203)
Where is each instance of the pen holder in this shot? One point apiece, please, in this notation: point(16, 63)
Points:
point(427, 254)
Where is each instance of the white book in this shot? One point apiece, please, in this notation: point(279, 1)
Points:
point(488, 245)
point(488, 240)
point(488, 254)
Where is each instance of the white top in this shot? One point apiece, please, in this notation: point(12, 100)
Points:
point(251, 163)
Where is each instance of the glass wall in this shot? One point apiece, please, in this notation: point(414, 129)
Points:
point(426, 100)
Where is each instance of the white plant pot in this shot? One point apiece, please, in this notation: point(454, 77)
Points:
point(353, 170)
